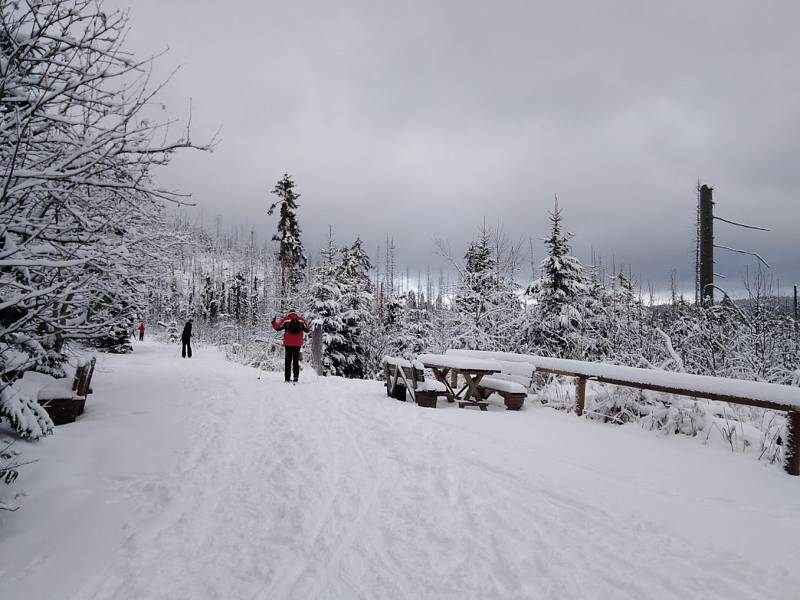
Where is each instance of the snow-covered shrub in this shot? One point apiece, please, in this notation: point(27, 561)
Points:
point(23, 413)
point(9, 473)
point(674, 414)
point(262, 353)
point(167, 332)
point(558, 393)
point(118, 338)
point(772, 428)
point(615, 404)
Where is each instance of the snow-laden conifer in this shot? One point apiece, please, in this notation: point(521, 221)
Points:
point(486, 301)
point(326, 308)
point(358, 314)
point(556, 313)
point(291, 255)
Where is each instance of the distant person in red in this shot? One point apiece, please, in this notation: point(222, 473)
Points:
point(293, 326)
point(186, 339)
point(141, 332)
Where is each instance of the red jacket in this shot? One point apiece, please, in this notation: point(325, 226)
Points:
point(292, 340)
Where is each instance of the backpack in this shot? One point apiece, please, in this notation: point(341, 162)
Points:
point(294, 326)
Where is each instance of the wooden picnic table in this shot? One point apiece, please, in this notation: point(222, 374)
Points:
point(471, 369)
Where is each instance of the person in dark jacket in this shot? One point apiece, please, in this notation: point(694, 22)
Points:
point(293, 326)
point(186, 339)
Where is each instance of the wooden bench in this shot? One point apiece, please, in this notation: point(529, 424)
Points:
point(511, 383)
point(405, 376)
point(64, 403)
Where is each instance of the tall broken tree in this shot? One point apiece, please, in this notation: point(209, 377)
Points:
point(704, 265)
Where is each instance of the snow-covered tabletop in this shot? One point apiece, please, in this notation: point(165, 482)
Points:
point(459, 363)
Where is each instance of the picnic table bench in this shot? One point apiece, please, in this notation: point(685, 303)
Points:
point(512, 382)
point(471, 369)
point(405, 376)
point(65, 402)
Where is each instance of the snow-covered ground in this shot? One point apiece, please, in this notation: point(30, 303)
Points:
point(193, 479)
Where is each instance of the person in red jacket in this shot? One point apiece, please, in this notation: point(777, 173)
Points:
point(141, 332)
point(293, 326)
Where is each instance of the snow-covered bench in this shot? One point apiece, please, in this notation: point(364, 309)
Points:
point(63, 401)
point(405, 376)
point(512, 382)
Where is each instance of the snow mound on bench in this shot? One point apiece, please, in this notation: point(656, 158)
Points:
point(57, 390)
point(431, 385)
point(501, 385)
point(396, 361)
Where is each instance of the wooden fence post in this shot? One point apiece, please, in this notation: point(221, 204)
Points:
point(454, 380)
point(791, 461)
point(580, 395)
point(316, 348)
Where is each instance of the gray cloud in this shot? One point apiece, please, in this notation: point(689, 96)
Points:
point(419, 119)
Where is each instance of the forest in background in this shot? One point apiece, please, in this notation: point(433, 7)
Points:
point(232, 288)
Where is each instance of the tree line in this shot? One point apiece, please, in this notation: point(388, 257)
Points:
point(570, 310)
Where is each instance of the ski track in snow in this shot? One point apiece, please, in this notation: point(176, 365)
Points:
point(328, 489)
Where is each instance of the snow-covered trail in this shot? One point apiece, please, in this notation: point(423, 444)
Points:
point(193, 479)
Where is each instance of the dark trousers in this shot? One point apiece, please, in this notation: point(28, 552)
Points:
point(141, 336)
point(292, 362)
point(186, 346)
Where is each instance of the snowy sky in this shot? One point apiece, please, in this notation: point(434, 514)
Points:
point(419, 119)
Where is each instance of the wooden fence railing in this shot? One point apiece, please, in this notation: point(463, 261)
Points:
point(736, 391)
point(748, 393)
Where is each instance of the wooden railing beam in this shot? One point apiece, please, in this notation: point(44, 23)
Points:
point(791, 450)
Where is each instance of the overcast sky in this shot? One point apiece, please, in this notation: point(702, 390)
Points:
point(419, 119)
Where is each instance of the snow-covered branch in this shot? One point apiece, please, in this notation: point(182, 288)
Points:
point(758, 256)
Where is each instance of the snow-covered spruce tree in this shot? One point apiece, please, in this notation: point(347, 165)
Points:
point(613, 322)
point(486, 301)
point(326, 308)
point(209, 300)
point(555, 317)
point(476, 285)
point(504, 315)
point(291, 256)
point(239, 297)
point(358, 314)
point(476, 280)
point(392, 322)
point(414, 336)
point(74, 145)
